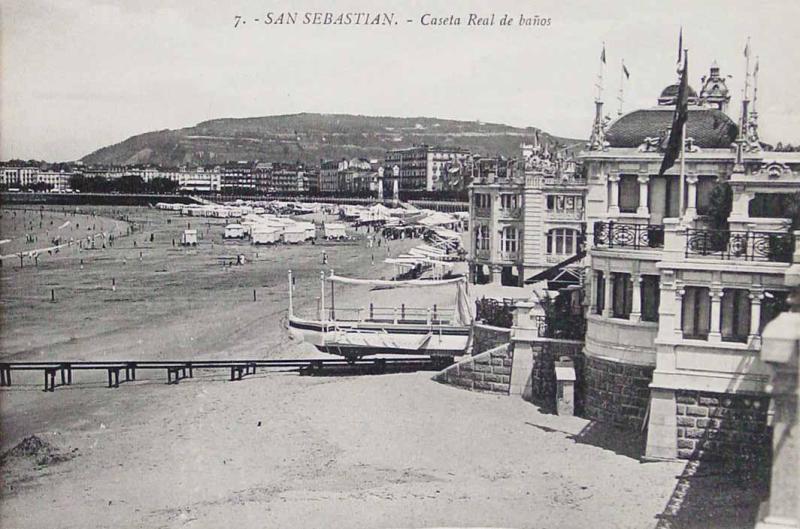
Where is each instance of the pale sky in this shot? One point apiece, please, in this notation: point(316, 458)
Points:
point(77, 75)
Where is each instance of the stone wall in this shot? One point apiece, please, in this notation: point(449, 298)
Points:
point(616, 393)
point(545, 354)
point(488, 371)
point(722, 426)
point(485, 337)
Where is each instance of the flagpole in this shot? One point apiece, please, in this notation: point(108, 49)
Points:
point(621, 81)
point(681, 183)
point(747, 68)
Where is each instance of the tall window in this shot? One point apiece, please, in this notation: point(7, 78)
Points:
point(482, 237)
point(481, 200)
point(696, 313)
point(735, 317)
point(628, 193)
point(622, 295)
point(651, 297)
point(509, 239)
point(600, 292)
point(562, 241)
point(508, 201)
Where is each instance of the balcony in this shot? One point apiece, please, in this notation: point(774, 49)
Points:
point(484, 213)
point(482, 255)
point(773, 247)
point(628, 236)
point(565, 215)
point(510, 213)
point(539, 181)
point(509, 256)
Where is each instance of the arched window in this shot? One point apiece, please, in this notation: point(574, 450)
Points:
point(562, 241)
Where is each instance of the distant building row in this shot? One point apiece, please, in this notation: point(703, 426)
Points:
point(418, 168)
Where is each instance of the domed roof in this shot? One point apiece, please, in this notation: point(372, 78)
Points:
point(672, 91)
point(710, 128)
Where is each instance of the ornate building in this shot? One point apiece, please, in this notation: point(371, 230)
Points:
point(678, 289)
point(527, 216)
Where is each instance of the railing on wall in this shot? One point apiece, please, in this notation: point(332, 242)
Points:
point(633, 236)
point(740, 245)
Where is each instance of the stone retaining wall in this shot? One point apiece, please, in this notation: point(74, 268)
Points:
point(545, 354)
point(488, 371)
point(485, 337)
point(616, 393)
point(722, 426)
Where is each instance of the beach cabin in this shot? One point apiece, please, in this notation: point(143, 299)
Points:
point(294, 234)
point(334, 230)
point(234, 231)
point(189, 238)
point(265, 235)
point(309, 229)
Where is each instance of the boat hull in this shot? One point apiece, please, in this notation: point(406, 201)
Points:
point(364, 338)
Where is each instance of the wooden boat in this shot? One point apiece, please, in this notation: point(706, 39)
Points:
point(354, 333)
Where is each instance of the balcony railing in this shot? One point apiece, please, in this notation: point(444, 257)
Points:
point(483, 212)
point(633, 236)
point(482, 254)
point(509, 256)
point(741, 245)
point(511, 213)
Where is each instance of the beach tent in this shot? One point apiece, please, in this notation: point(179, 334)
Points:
point(294, 234)
point(334, 230)
point(189, 238)
point(234, 231)
point(265, 235)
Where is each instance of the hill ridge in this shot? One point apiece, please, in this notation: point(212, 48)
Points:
point(310, 137)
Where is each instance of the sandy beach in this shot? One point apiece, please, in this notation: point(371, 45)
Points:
point(276, 449)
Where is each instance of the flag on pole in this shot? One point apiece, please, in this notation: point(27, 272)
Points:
point(680, 46)
point(603, 54)
point(755, 70)
point(747, 48)
point(625, 71)
point(679, 118)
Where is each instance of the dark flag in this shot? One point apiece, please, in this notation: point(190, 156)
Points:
point(680, 45)
point(625, 71)
point(603, 54)
point(674, 147)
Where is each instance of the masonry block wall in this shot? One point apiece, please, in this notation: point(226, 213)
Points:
point(722, 426)
point(616, 393)
point(545, 355)
point(489, 371)
point(485, 337)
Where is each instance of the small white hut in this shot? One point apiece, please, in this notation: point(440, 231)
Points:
point(189, 238)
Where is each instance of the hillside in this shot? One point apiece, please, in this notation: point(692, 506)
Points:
point(310, 138)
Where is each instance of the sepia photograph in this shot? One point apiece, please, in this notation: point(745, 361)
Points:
point(518, 264)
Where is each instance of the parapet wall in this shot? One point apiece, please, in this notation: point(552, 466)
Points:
point(485, 337)
point(489, 371)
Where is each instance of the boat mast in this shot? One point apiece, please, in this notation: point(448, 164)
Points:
point(322, 296)
point(291, 308)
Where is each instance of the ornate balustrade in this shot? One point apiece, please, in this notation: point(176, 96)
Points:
point(631, 236)
point(740, 245)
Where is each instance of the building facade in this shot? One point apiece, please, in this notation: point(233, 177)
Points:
point(678, 290)
point(429, 168)
point(528, 216)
